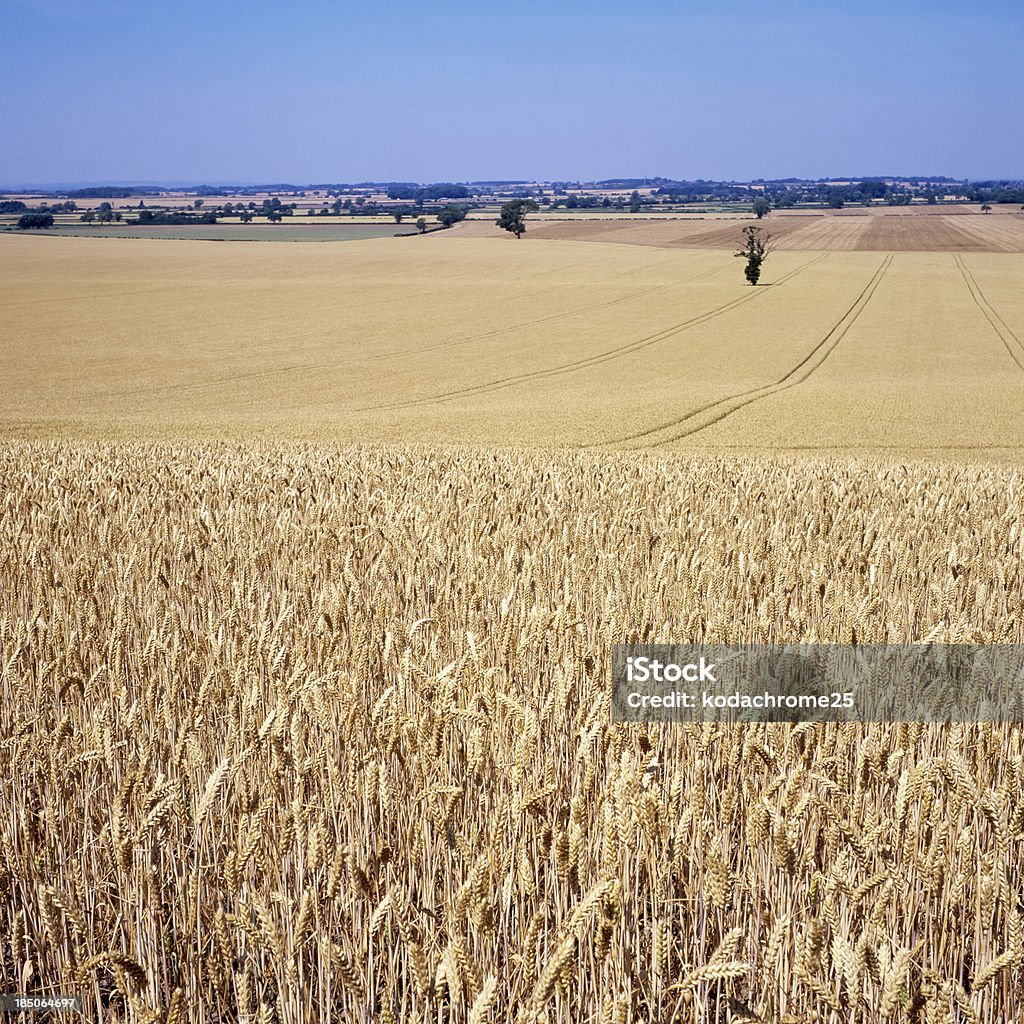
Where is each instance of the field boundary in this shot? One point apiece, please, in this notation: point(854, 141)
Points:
point(721, 408)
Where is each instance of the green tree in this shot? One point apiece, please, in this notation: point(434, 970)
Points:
point(35, 220)
point(761, 207)
point(421, 225)
point(513, 215)
point(756, 247)
point(451, 214)
point(985, 208)
point(398, 215)
point(634, 202)
point(88, 217)
point(836, 201)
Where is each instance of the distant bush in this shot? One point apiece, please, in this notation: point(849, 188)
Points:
point(451, 214)
point(35, 220)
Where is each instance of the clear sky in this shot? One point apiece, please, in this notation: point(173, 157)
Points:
point(409, 90)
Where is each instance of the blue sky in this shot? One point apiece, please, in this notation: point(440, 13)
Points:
point(334, 91)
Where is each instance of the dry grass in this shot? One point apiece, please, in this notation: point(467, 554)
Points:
point(302, 734)
point(447, 339)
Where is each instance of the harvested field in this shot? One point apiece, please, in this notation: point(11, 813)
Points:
point(875, 230)
point(316, 733)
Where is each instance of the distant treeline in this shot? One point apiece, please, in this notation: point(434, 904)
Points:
point(780, 192)
point(17, 206)
point(430, 193)
point(105, 192)
point(154, 217)
point(786, 194)
point(996, 192)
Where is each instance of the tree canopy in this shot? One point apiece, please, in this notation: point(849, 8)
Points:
point(35, 220)
point(756, 247)
point(513, 215)
point(451, 214)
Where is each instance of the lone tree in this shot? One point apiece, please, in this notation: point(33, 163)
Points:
point(755, 251)
point(761, 207)
point(634, 202)
point(421, 225)
point(513, 215)
point(985, 208)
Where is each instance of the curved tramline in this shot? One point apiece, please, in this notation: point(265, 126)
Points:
point(602, 357)
point(726, 406)
point(927, 366)
point(554, 317)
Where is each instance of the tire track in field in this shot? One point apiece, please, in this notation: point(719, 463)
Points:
point(212, 382)
point(998, 324)
point(585, 363)
point(723, 407)
point(548, 319)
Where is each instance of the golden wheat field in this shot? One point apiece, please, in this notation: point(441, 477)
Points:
point(538, 342)
point(309, 733)
point(311, 563)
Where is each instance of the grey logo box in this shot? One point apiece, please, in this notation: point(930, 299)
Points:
point(32, 1004)
point(818, 683)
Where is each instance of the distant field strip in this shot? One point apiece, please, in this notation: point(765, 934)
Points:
point(999, 325)
point(723, 407)
point(876, 230)
point(614, 353)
